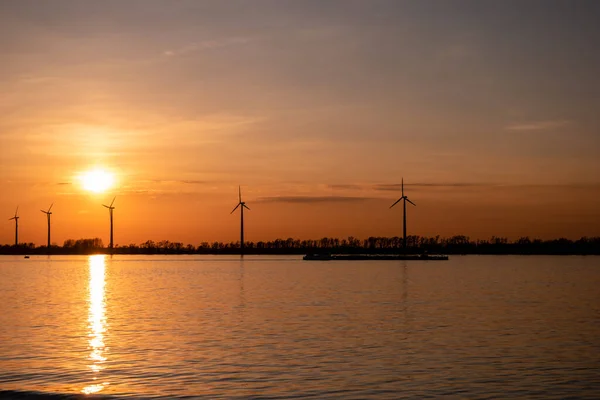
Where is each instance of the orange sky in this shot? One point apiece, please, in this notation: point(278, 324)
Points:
point(317, 110)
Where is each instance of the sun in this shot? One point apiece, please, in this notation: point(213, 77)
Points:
point(97, 180)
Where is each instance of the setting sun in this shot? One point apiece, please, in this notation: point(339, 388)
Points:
point(97, 180)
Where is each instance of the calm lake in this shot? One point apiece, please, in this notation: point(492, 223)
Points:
point(279, 327)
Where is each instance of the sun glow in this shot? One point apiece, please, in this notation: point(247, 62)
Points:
point(97, 180)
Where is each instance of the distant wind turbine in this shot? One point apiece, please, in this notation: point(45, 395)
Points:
point(243, 204)
point(16, 218)
point(110, 211)
point(48, 214)
point(405, 198)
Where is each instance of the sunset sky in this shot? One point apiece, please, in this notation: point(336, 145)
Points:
point(490, 110)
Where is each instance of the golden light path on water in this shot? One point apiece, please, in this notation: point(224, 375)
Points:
point(96, 323)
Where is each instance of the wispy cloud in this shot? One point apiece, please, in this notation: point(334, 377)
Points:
point(162, 186)
point(174, 181)
point(33, 79)
point(538, 125)
point(207, 45)
point(345, 186)
point(313, 199)
point(393, 187)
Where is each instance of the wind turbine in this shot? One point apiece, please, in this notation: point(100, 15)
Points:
point(16, 218)
point(110, 212)
point(243, 204)
point(405, 198)
point(48, 214)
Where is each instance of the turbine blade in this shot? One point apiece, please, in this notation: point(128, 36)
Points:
point(45, 212)
point(246, 206)
point(240, 193)
point(113, 202)
point(397, 201)
point(50, 207)
point(104, 205)
point(17, 211)
point(402, 186)
point(410, 202)
point(235, 208)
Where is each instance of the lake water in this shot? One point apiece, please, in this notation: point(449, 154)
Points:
point(280, 327)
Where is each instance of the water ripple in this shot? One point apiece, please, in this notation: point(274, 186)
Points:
point(274, 328)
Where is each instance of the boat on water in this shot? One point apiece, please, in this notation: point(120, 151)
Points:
point(415, 257)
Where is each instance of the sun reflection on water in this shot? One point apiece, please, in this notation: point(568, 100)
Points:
point(96, 322)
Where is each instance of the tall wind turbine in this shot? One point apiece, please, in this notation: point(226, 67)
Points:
point(48, 214)
point(405, 198)
point(243, 204)
point(16, 218)
point(110, 212)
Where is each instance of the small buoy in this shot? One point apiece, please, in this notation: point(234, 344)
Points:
point(26, 256)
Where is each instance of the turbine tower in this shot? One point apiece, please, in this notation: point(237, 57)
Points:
point(16, 218)
point(243, 204)
point(110, 212)
point(405, 198)
point(48, 214)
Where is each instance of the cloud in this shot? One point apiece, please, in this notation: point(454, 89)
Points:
point(175, 181)
point(34, 80)
point(313, 199)
point(344, 187)
point(393, 187)
point(164, 186)
point(207, 45)
point(538, 125)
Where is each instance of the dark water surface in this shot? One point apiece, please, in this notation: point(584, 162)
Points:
point(280, 327)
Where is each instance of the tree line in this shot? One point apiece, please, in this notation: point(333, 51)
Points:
point(458, 244)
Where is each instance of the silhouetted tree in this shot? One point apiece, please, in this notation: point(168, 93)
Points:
point(458, 244)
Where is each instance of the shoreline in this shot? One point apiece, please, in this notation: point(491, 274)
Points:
point(294, 253)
